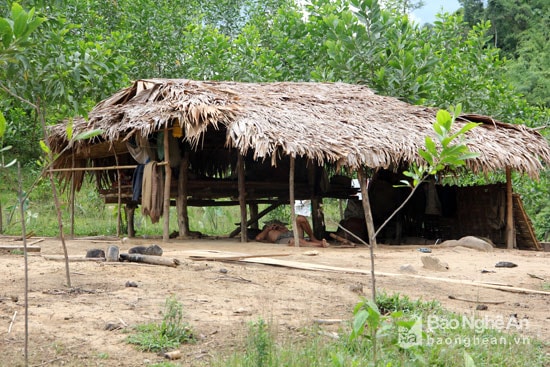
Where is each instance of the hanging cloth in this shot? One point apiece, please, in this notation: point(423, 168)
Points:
point(152, 197)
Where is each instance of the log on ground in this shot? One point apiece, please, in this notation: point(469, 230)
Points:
point(148, 259)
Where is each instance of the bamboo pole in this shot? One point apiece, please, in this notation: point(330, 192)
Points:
point(510, 236)
point(77, 169)
point(291, 197)
point(167, 180)
point(242, 196)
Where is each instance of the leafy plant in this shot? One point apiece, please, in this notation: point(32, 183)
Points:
point(260, 346)
point(169, 334)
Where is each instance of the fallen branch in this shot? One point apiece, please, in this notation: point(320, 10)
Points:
point(328, 321)
point(344, 242)
point(148, 259)
point(34, 242)
point(353, 234)
point(12, 321)
point(234, 279)
point(474, 301)
point(72, 258)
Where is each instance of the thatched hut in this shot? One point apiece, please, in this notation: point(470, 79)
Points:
point(268, 142)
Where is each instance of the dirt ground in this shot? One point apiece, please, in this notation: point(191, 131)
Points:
point(68, 326)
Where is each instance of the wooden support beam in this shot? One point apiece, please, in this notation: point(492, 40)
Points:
point(317, 217)
point(106, 168)
point(72, 196)
point(253, 208)
point(510, 236)
point(167, 180)
point(130, 211)
point(291, 196)
point(183, 193)
point(242, 196)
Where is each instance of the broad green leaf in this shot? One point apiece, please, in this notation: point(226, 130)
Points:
point(11, 163)
point(430, 145)
point(44, 147)
point(469, 155)
point(427, 156)
point(19, 17)
point(457, 110)
point(3, 124)
point(444, 119)
point(6, 33)
point(468, 360)
point(88, 134)
point(359, 322)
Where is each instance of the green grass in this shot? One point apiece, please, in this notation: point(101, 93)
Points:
point(94, 218)
point(168, 335)
point(459, 345)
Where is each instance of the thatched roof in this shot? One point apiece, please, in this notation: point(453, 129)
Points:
point(328, 122)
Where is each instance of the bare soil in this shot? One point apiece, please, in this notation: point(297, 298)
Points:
point(70, 326)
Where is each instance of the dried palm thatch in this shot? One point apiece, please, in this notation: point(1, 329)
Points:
point(332, 123)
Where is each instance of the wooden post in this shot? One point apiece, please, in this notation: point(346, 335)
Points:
point(72, 197)
point(366, 206)
point(130, 211)
point(317, 217)
point(181, 201)
point(253, 207)
point(167, 180)
point(291, 197)
point(242, 196)
point(119, 201)
point(510, 235)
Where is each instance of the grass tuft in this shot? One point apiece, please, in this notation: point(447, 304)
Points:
point(169, 334)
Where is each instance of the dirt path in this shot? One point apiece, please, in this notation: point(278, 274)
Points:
point(221, 298)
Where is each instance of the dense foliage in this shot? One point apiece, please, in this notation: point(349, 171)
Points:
point(492, 59)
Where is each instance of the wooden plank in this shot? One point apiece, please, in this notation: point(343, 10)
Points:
point(234, 257)
point(309, 266)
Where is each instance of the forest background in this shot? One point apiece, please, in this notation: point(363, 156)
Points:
point(491, 56)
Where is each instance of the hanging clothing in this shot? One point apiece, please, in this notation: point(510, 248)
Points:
point(152, 198)
point(140, 148)
point(137, 182)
